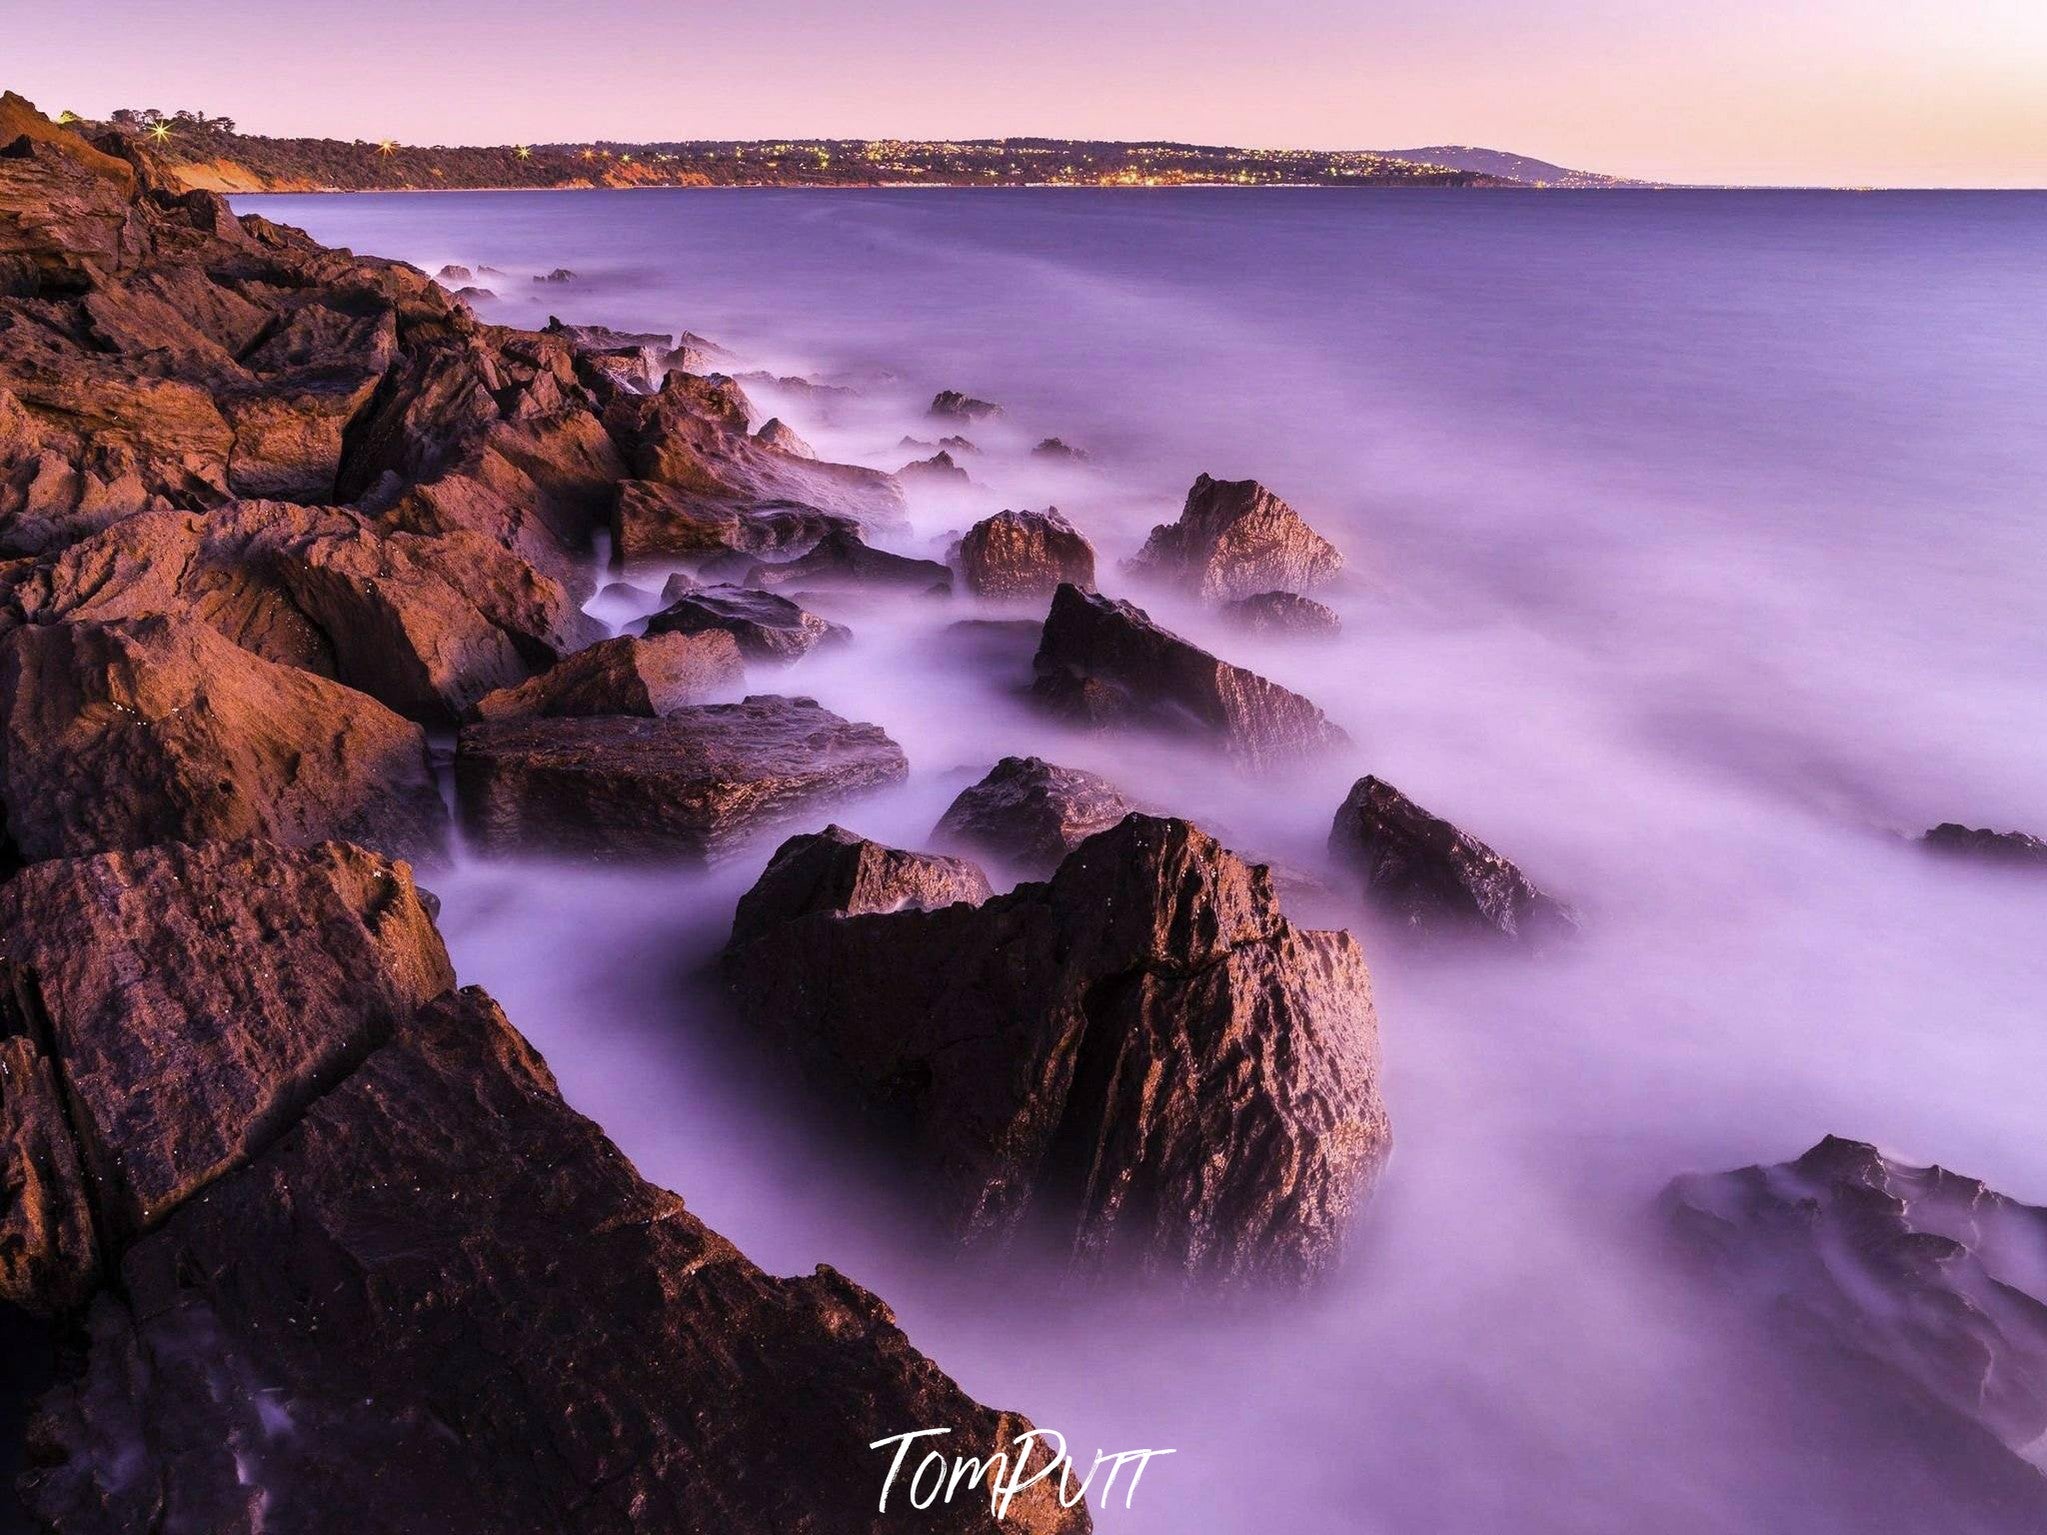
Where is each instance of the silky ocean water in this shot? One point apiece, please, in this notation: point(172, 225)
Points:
point(1697, 545)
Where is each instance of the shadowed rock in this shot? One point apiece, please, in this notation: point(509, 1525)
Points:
point(1142, 1057)
point(1234, 539)
point(2009, 849)
point(834, 870)
point(119, 735)
point(1430, 876)
point(49, 1250)
point(687, 785)
point(1104, 662)
point(658, 522)
point(1031, 813)
point(1058, 448)
point(936, 472)
point(765, 626)
point(843, 558)
point(1282, 613)
point(199, 997)
point(951, 405)
point(1025, 554)
point(650, 676)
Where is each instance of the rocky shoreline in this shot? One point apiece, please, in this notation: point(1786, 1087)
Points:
point(298, 1232)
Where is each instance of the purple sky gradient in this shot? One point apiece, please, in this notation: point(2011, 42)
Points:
point(1844, 92)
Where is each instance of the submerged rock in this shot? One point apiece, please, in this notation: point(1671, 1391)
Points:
point(1105, 662)
point(1282, 613)
point(1142, 1057)
point(1884, 1283)
point(1025, 554)
point(938, 470)
point(1235, 539)
point(843, 558)
point(765, 626)
point(1031, 813)
point(119, 735)
point(2012, 849)
point(951, 405)
point(687, 785)
point(1056, 448)
point(650, 676)
point(1430, 876)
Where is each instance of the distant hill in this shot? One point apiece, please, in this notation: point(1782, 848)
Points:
point(1501, 165)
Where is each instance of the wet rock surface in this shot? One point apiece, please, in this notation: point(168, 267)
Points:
point(1104, 662)
point(1030, 813)
point(1235, 539)
point(688, 785)
point(1283, 613)
point(118, 735)
point(836, 870)
point(651, 676)
point(1906, 1302)
point(1025, 554)
point(1429, 876)
point(843, 558)
point(765, 625)
point(1141, 1059)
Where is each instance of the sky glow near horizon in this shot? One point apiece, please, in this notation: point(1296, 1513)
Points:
point(1804, 92)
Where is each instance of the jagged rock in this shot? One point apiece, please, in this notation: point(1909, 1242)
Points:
point(49, 1251)
point(1031, 813)
point(951, 405)
point(1056, 448)
point(441, 1273)
point(843, 558)
point(653, 523)
point(1235, 539)
point(834, 870)
point(1430, 876)
point(649, 676)
point(120, 735)
point(779, 435)
point(1282, 613)
point(1142, 1056)
point(938, 470)
point(200, 996)
point(454, 273)
point(1910, 1284)
point(602, 338)
point(2011, 849)
point(1105, 662)
point(1025, 554)
point(766, 627)
point(688, 785)
point(559, 274)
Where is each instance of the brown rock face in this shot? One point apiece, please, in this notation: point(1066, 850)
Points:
point(843, 558)
point(2011, 849)
point(765, 626)
point(1234, 539)
point(1031, 813)
point(1882, 1280)
point(685, 786)
point(115, 736)
point(49, 1251)
point(441, 1300)
point(1025, 554)
point(779, 435)
point(654, 523)
point(1283, 613)
point(652, 676)
point(1432, 877)
point(834, 870)
point(1105, 662)
point(198, 997)
point(1142, 1056)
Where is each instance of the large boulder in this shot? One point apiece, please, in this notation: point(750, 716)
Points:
point(651, 676)
point(687, 785)
point(1431, 877)
point(441, 1300)
point(1025, 554)
point(1029, 813)
point(767, 627)
point(835, 870)
point(1906, 1303)
point(1234, 539)
point(199, 997)
point(1285, 613)
point(117, 735)
point(1142, 1057)
point(654, 524)
point(1104, 662)
point(952, 405)
point(843, 558)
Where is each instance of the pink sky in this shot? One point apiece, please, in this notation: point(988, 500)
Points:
point(1843, 92)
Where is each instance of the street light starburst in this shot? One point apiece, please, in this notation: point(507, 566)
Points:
point(161, 132)
point(524, 152)
point(387, 147)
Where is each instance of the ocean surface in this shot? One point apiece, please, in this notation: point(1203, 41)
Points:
point(1698, 558)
